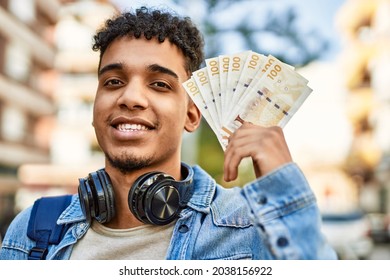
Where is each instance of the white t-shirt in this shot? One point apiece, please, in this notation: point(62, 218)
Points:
point(146, 242)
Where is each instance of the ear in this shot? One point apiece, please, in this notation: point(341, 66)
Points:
point(193, 117)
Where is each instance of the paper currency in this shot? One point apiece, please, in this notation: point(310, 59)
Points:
point(223, 74)
point(193, 91)
point(272, 101)
point(264, 91)
point(201, 78)
point(236, 64)
point(212, 65)
point(250, 69)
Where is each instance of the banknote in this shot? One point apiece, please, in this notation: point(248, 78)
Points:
point(265, 64)
point(249, 71)
point(236, 64)
point(212, 66)
point(273, 100)
point(193, 91)
point(202, 80)
point(223, 74)
point(264, 91)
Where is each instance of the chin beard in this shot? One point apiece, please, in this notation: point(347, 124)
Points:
point(127, 164)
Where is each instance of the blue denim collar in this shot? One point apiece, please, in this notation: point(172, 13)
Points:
point(73, 213)
point(203, 190)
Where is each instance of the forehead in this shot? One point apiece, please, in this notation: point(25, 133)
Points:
point(142, 53)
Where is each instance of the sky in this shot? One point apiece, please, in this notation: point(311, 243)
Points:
point(312, 15)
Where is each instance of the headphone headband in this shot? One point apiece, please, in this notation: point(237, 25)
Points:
point(184, 186)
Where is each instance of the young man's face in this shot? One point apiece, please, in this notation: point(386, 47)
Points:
point(141, 108)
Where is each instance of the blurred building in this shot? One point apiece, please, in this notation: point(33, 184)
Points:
point(47, 85)
point(341, 134)
point(27, 106)
point(365, 26)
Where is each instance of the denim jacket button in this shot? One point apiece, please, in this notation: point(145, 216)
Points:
point(183, 228)
point(262, 199)
point(282, 241)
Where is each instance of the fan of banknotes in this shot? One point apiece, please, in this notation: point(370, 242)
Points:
point(246, 87)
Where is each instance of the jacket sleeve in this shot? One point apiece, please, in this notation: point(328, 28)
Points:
point(285, 210)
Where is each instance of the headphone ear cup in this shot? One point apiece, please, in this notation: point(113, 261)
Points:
point(136, 195)
point(97, 197)
point(154, 199)
point(162, 202)
point(85, 197)
point(107, 212)
point(111, 203)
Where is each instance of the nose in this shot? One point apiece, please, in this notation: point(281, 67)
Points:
point(134, 96)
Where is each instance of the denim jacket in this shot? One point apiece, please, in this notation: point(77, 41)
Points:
point(273, 217)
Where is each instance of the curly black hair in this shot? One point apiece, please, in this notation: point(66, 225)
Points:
point(153, 23)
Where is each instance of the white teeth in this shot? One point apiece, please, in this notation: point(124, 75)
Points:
point(132, 127)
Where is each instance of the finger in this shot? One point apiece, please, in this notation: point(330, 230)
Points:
point(230, 166)
point(234, 154)
point(232, 162)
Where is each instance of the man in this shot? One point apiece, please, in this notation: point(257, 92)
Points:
point(140, 113)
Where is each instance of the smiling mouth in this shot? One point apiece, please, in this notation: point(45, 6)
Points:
point(131, 127)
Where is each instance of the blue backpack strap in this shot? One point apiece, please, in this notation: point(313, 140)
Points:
point(42, 226)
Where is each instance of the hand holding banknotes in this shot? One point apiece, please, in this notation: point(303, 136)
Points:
point(265, 145)
point(247, 87)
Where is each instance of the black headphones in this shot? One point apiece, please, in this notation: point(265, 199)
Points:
point(154, 198)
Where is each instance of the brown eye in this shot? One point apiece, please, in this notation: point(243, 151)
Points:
point(160, 84)
point(113, 82)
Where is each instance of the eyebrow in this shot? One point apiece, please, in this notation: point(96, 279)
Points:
point(108, 67)
point(156, 68)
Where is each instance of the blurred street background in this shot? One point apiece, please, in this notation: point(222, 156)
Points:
point(340, 136)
